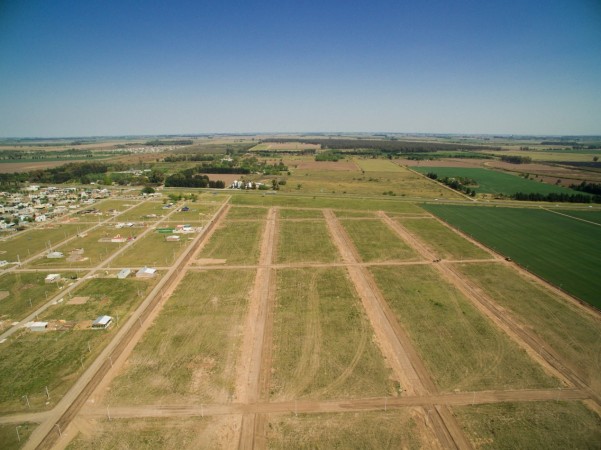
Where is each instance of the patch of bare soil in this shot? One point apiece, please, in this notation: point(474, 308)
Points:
point(227, 178)
point(3, 294)
point(209, 261)
point(78, 301)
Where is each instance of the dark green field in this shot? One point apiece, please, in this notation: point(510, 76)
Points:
point(562, 250)
point(591, 216)
point(492, 182)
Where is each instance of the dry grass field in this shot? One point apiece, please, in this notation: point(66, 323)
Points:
point(306, 241)
point(461, 348)
point(189, 354)
point(323, 346)
point(235, 242)
point(29, 243)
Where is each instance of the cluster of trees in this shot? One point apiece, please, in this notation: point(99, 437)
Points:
point(385, 146)
point(516, 159)
point(556, 197)
point(328, 155)
point(460, 184)
point(189, 157)
point(192, 178)
point(591, 188)
point(72, 172)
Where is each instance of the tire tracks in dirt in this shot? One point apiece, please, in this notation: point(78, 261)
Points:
point(394, 340)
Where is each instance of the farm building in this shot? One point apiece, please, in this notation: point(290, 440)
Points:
point(52, 278)
point(102, 323)
point(123, 273)
point(37, 326)
point(54, 255)
point(146, 272)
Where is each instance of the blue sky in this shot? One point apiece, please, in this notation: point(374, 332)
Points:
point(81, 68)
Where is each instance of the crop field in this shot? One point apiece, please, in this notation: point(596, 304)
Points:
point(152, 250)
point(31, 242)
point(93, 250)
point(549, 424)
point(300, 213)
point(55, 359)
point(375, 242)
point(187, 433)
point(378, 165)
point(323, 345)
point(552, 155)
point(189, 353)
point(236, 242)
point(459, 346)
point(247, 213)
point(145, 209)
point(350, 203)
point(590, 215)
point(563, 251)
point(376, 430)
point(307, 242)
point(22, 287)
point(444, 243)
point(493, 182)
point(575, 335)
point(9, 438)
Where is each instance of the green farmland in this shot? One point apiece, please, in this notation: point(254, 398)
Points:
point(493, 182)
point(562, 250)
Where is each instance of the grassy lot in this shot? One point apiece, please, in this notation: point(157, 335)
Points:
point(365, 204)
point(493, 182)
point(549, 425)
point(247, 213)
point(305, 242)
point(25, 286)
point(444, 242)
point(301, 214)
point(564, 251)
point(556, 155)
point(189, 353)
point(575, 335)
point(323, 346)
point(153, 250)
point(118, 205)
point(353, 214)
point(376, 242)
point(9, 438)
point(29, 243)
point(460, 347)
point(366, 430)
point(165, 433)
point(238, 243)
point(31, 361)
point(378, 165)
point(94, 251)
point(140, 212)
point(590, 215)
point(107, 296)
point(199, 212)
point(401, 183)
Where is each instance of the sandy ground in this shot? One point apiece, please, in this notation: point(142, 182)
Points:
point(324, 165)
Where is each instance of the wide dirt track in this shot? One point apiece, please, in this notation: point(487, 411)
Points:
point(249, 410)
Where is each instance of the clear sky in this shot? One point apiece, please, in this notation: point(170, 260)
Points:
point(108, 67)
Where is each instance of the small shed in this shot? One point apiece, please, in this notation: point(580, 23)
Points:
point(102, 323)
point(52, 278)
point(54, 255)
point(146, 272)
point(37, 326)
point(173, 237)
point(123, 273)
